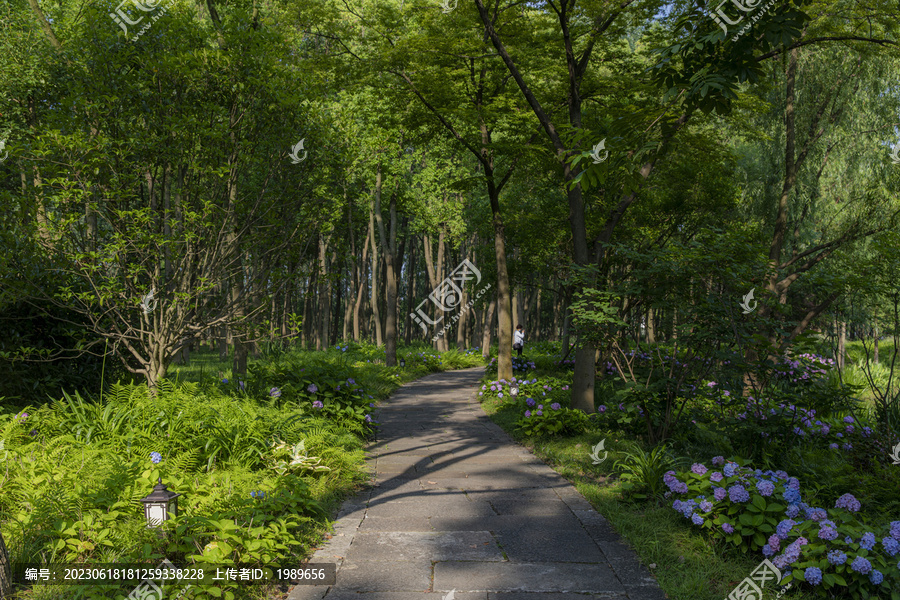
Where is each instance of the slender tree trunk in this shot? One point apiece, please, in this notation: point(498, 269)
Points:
point(362, 265)
point(488, 327)
point(389, 244)
point(376, 313)
point(842, 346)
point(324, 297)
point(410, 290)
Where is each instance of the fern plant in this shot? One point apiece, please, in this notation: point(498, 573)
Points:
point(642, 472)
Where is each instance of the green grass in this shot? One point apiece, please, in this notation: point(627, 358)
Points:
point(688, 566)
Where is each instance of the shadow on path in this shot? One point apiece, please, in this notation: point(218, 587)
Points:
point(457, 505)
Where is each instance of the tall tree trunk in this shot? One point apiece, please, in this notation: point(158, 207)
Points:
point(389, 244)
point(361, 266)
point(488, 327)
point(376, 312)
point(842, 346)
point(651, 326)
point(324, 297)
point(410, 291)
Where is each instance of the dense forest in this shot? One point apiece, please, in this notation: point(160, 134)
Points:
point(238, 178)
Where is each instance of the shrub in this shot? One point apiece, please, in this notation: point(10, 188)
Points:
point(763, 510)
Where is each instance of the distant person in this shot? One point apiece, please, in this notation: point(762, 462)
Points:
point(519, 340)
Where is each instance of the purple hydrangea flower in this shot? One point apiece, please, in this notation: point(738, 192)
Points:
point(312, 388)
point(817, 514)
point(813, 575)
point(730, 469)
point(792, 511)
point(849, 502)
point(833, 446)
point(719, 493)
point(727, 528)
point(895, 530)
point(718, 461)
point(530, 401)
point(527, 413)
point(774, 542)
point(766, 488)
point(698, 468)
point(737, 493)
point(697, 519)
point(275, 392)
point(318, 404)
point(155, 457)
point(716, 477)
point(706, 506)
point(848, 419)
point(601, 408)
point(827, 532)
point(555, 406)
point(539, 412)
point(836, 557)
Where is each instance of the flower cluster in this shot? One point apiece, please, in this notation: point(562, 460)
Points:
point(743, 505)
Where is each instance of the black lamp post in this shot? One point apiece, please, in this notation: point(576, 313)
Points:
point(159, 504)
point(402, 363)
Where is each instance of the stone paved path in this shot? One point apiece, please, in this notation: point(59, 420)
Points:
point(458, 505)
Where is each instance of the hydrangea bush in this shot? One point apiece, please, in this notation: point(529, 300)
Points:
point(764, 511)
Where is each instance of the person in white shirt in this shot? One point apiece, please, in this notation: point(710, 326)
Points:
point(519, 339)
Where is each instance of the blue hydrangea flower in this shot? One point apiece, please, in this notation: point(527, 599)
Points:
point(727, 528)
point(784, 528)
point(836, 557)
point(697, 519)
point(767, 551)
point(861, 565)
point(813, 575)
point(275, 392)
point(155, 457)
point(719, 493)
point(792, 511)
point(876, 577)
point(891, 546)
point(530, 402)
point(527, 413)
point(827, 532)
point(706, 506)
point(868, 540)
point(791, 496)
point(718, 461)
point(729, 469)
point(312, 388)
point(555, 406)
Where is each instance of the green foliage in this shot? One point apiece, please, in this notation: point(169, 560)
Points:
point(642, 472)
point(544, 421)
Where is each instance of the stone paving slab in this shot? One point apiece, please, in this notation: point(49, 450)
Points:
point(456, 505)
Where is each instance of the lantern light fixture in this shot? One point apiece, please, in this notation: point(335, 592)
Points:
point(159, 505)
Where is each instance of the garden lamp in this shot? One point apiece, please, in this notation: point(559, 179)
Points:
point(514, 390)
point(159, 504)
point(402, 363)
